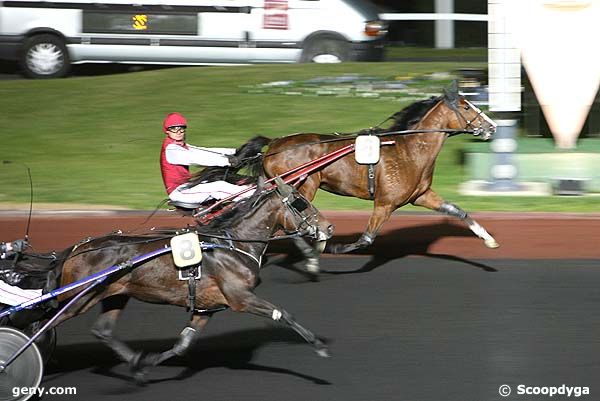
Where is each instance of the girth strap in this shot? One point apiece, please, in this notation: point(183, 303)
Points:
point(371, 180)
point(192, 273)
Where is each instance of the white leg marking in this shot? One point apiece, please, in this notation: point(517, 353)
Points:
point(312, 265)
point(320, 246)
point(489, 241)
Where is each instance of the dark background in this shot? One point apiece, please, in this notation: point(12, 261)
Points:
point(421, 33)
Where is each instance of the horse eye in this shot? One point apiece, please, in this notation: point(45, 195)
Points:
point(467, 107)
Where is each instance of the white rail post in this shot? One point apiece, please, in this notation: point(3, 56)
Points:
point(504, 78)
point(444, 29)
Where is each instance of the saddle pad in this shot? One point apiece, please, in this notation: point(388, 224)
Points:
point(13, 295)
point(366, 149)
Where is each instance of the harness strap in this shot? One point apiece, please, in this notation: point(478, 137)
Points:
point(371, 180)
point(352, 136)
point(228, 236)
point(192, 272)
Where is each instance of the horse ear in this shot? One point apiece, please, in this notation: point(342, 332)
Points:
point(452, 92)
point(282, 187)
point(260, 183)
point(454, 86)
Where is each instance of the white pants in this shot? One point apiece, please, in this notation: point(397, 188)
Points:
point(202, 192)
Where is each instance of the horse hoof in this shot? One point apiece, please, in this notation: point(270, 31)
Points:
point(323, 352)
point(321, 349)
point(140, 378)
point(136, 365)
point(491, 243)
point(313, 268)
point(338, 248)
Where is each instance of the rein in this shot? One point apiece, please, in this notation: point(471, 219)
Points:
point(347, 137)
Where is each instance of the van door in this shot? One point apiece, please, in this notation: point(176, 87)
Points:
point(278, 27)
point(166, 33)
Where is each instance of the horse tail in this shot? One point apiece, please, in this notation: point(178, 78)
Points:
point(253, 147)
point(250, 155)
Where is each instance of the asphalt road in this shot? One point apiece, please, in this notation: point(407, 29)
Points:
point(415, 328)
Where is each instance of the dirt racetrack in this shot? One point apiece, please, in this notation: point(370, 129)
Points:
point(521, 236)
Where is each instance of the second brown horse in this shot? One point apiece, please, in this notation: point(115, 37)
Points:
point(404, 172)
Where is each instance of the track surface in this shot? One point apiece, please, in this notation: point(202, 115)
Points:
point(453, 324)
point(521, 235)
point(409, 329)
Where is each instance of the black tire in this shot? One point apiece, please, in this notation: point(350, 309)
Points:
point(326, 51)
point(44, 56)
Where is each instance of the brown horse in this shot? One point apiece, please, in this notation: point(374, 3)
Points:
point(229, 271)
point(404, 172)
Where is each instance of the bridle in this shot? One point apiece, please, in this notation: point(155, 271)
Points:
point(469, 124)
point(305, 215)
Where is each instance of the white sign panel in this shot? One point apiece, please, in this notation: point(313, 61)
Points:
point(558, 45)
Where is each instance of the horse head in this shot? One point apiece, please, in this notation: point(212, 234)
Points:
point(300, 215)
point(465, 115)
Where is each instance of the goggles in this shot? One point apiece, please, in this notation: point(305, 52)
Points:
point(177, 128)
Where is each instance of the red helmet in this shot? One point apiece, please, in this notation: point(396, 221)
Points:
point(174, 120)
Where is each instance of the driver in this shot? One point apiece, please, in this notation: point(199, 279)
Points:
point(176, 156)
point(9, 249)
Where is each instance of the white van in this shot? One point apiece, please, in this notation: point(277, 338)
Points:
point(46, 37)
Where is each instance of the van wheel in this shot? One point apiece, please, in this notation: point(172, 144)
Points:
point(44, 56)
point(326, 51)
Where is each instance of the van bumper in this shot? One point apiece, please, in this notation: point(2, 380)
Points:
point(9, 47)
point(372, 50)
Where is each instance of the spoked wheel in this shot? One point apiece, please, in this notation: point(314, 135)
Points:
point(46, 343)
point(25, 371)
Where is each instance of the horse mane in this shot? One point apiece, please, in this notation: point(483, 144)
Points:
point(230, 174)
point(413, 113)
point(239, 210)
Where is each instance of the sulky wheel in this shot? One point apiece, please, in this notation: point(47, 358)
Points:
point(25, 371)
point(46, 343)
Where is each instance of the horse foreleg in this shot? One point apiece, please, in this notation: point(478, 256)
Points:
point(247, 301)
point(381, 213)
point(311, 255)
point(433, 201)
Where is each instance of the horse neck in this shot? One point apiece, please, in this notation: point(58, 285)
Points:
point(261, 223)
point(436, 118)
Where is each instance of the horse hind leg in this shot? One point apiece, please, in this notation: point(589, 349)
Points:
point(433, 201)
point(187, 338)
point(105, 324)
point(139, 361)
point(381, 213)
